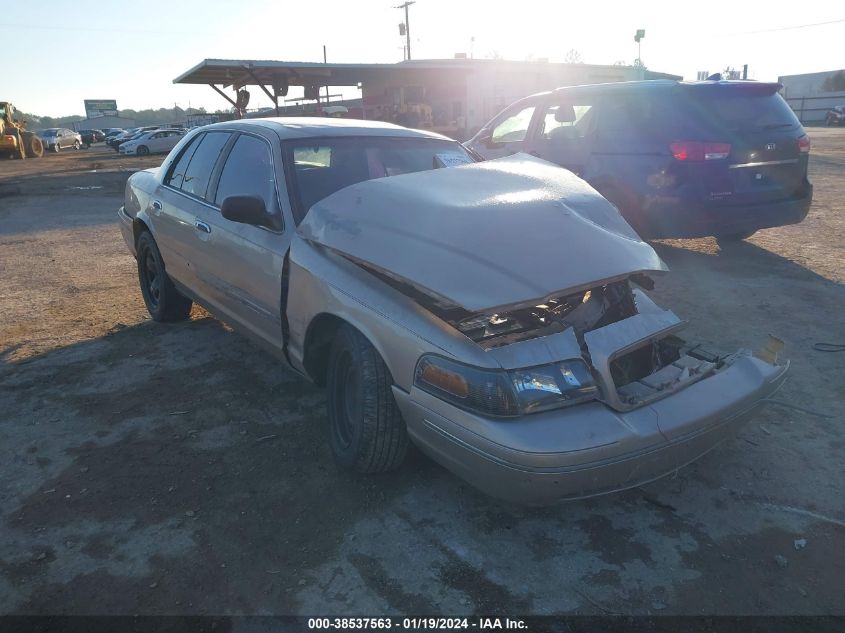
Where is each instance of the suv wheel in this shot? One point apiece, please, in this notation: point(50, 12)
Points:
point(366, 429)
point(734, 237)
point(163, 301)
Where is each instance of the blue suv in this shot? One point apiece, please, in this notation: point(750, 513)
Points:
point(678, 159)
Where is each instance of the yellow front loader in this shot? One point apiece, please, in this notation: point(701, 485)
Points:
point(15, 141)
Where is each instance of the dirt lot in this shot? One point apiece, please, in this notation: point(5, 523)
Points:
point(160, 469)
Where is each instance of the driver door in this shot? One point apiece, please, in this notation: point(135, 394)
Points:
point(506, 134)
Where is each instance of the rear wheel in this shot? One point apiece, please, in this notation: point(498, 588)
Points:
point(163, 301)
point(366, 429)
point(734, 237)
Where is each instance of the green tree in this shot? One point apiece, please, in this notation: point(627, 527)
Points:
point(835, 82)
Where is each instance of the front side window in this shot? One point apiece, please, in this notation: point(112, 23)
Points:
point(198, 172)
point(319, 167)
point(514, 127)
point(248, 171)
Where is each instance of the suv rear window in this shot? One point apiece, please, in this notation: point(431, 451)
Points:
point(753, 111)
point(738, 110)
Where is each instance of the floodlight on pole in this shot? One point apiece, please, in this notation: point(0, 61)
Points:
point(638, 36)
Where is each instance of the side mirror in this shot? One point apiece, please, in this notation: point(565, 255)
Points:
point(249, 210)
point(485, 137)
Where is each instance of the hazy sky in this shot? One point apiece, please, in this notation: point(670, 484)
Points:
point(59, 52)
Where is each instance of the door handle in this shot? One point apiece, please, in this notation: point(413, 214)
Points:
point(202, 226)
point(157, 207)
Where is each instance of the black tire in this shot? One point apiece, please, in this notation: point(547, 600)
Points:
point(142, 150)
point(76, 145)
point(734, 237)
point(366, 429)
point(57, 148)
point(32, 145)
point(163, 301)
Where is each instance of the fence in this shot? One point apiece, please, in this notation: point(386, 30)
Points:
point(812, 109)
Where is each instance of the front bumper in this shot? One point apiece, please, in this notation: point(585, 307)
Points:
point(676, 219)
point(588, 449)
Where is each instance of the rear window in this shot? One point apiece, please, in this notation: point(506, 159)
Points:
point(737, 110)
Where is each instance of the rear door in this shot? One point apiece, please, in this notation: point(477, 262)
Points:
point(180, 211)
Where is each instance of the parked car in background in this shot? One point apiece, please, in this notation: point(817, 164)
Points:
point(492, 313)
point(115, 141)
point(154, 142)
point(59, 138)
point(108, 131)
point(678, 159)
point(836, 116)
point(89, 137)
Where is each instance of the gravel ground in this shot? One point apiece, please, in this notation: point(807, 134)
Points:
point(177, 469)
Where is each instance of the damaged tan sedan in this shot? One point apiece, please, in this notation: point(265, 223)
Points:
point(492, 313)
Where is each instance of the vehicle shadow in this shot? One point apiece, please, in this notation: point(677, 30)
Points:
point(183, 446)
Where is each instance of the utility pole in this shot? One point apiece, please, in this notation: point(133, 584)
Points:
point(407, 27)
point(326, 62)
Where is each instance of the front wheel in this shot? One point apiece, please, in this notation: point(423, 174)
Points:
point(76, 144)
point(163, 301)
point(366, 429)
point(143, 150)
point(57, 148)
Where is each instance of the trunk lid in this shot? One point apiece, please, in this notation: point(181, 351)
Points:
point(511, 231)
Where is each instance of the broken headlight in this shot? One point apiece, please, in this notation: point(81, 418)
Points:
point(506, 393)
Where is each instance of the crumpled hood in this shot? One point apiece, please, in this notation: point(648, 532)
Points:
point(515, 230)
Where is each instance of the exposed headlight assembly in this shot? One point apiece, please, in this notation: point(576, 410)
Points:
point(506, 393)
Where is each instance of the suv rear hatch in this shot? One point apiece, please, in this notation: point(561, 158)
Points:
point(738, 143)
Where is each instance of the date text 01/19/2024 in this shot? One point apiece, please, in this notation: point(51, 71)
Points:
point(414, 624)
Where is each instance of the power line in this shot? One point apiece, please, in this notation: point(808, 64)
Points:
point(791, 28)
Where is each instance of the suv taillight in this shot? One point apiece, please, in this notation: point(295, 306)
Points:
point(698, 151)
point(804, 144)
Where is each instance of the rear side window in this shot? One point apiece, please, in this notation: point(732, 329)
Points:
point(177, 172)
point(248, 171)
point(198, 172)
point(635, 118)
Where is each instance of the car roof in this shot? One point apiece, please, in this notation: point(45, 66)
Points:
point(655, 86)
point(310, 127)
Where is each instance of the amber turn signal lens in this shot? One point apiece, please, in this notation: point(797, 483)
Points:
point(446, 380)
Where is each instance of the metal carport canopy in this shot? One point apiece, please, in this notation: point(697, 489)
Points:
point(245, 72)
